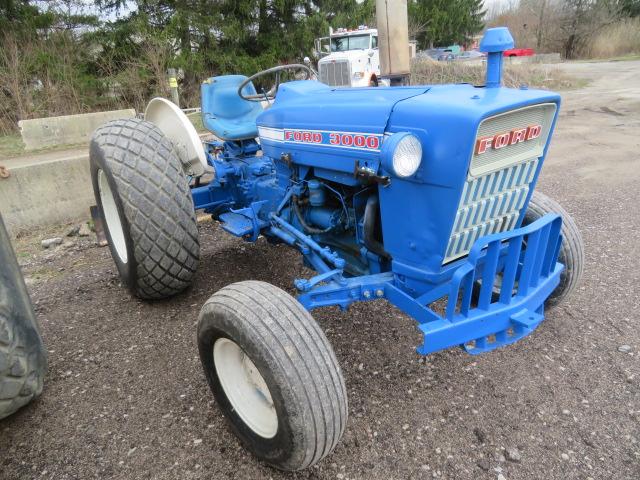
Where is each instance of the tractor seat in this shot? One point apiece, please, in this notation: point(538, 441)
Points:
point(224, 113)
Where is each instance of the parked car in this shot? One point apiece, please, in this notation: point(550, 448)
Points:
point(519, 52)
point(446, 56)
point(471, 55)
point(437, 54)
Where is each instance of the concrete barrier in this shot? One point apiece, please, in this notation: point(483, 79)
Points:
point(66, 130)
point(46, 189)
point(537, 58)
point(546, 58)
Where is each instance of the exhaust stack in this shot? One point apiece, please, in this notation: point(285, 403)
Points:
point(494, 42)
point(393, 40)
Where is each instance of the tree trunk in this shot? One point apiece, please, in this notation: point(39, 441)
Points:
point(540, 35)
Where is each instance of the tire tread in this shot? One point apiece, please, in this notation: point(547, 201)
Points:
point(22, 362)
point(281, 322)
point(157, 205)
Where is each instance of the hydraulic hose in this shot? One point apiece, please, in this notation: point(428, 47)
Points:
point(369, 226)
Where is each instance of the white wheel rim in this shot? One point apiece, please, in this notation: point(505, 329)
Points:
point(245, 388)
point(112, 217)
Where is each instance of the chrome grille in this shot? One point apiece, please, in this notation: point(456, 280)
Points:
point(497, 184)
point(495, 159)
point(335, 73)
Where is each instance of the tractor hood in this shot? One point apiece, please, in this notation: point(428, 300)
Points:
point(329, 128)
point(311, 105)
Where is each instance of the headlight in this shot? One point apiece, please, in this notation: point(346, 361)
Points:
point(402, 154)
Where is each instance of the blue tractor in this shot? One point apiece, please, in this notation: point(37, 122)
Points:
point(419, 195)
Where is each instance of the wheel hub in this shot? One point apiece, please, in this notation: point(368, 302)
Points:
point(112, 217)
point(245, 388)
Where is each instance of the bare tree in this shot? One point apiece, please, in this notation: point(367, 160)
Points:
point(580, 20)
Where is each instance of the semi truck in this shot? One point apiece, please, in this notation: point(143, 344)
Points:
point(349, 58)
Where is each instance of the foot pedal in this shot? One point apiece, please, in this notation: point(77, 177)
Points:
point(236, 224)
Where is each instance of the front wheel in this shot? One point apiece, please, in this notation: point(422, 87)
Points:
point(571, 253)
point(273, 373)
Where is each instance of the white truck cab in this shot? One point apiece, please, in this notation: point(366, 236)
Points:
point(349, 58)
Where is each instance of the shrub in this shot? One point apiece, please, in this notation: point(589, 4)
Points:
point(427, 71)
point(621, 38)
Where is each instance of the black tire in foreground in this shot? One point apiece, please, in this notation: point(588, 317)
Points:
point(273, 373)
point(144, 197)
point(572, 248)
point(23, 359)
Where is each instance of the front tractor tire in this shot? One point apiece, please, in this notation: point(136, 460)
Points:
point(273, 373)
point(144, 198)
point(571, 253)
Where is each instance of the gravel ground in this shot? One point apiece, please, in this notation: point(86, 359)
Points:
point(125, 396)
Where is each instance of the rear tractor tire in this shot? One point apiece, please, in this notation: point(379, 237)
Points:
point(571, 253)
point(144, 198)
point(273, 373)
point(23, 359)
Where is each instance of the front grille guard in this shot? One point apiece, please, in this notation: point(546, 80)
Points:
point(526, 277)
point(477, 317)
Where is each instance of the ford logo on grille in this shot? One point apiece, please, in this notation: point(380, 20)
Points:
point(501, 140)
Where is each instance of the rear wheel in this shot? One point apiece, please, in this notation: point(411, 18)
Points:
point(571, 253)
point(273, 374)
point(145, 200)
point(23, 360)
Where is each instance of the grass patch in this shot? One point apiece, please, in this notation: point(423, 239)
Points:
point(548, 77)
point(45, 273)
point(196, 120)
point(622, 58)
point(11, 146)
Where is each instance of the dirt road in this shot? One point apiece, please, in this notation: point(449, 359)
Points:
point(126, 397)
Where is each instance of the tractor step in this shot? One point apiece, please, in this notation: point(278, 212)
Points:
point(522, 323)
point(236, 224)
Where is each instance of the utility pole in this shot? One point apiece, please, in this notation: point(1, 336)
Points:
point(393, 41)
point(173, 86)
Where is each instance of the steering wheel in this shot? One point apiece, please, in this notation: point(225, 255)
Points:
point(271, 94)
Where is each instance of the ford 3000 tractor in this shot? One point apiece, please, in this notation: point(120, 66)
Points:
point(419, 195)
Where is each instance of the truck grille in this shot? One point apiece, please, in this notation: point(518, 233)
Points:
point(335, 73)
point(498, 181)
